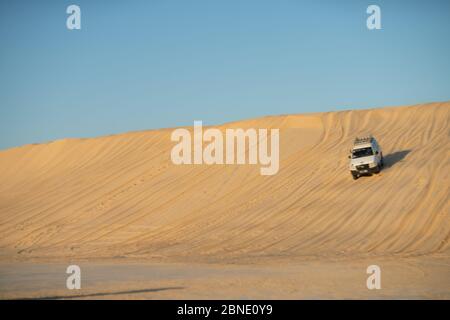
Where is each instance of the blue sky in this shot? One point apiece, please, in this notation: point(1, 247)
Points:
point(138, 65)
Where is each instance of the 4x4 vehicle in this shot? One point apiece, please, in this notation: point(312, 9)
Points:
point(365, 157)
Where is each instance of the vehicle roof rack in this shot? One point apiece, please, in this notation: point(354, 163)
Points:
point(361, 140)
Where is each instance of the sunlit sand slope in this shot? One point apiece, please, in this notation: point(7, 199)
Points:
point(120, 196)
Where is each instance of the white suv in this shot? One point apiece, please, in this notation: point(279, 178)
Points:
point(365, 157)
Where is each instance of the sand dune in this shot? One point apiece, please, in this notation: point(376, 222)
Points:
point(121, 197)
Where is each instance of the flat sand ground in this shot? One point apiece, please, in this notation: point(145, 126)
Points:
point(309, 231)
point(411, 278)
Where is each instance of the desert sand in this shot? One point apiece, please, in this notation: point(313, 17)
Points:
point(142, 227)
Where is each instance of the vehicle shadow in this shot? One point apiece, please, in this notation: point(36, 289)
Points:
point(392, 158)
point(104, 294)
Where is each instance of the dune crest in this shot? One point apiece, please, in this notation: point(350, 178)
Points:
point(120, 196)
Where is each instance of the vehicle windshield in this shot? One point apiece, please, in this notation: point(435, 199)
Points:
point(363, 152)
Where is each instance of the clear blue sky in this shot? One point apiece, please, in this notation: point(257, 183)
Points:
point(148, 64)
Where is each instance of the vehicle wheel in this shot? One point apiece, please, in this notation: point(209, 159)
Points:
point(355, 176)
point(378, 169)
point(382, 162)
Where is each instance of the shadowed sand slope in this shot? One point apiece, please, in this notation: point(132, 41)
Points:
point(120, 196)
